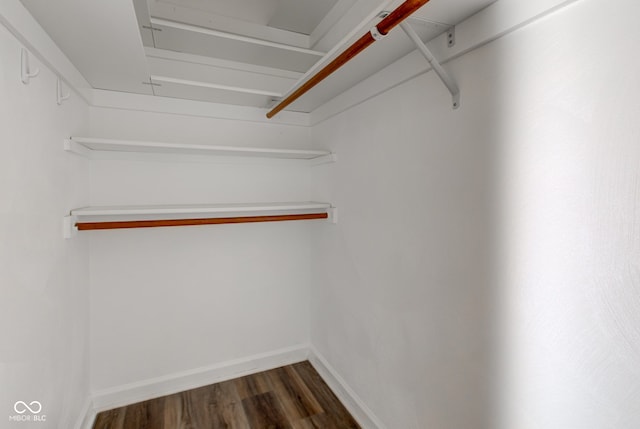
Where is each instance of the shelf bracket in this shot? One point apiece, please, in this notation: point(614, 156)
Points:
point(446, 79)
point(25, 72)
point(333, 214)
point(73, 147)
point(69, 229)
point(325, 159)
point(60, 96)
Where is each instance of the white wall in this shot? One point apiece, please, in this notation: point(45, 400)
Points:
point(169, 300)
point(401, 292)
point(572, 220)
point(514, 219)
point(44, 279)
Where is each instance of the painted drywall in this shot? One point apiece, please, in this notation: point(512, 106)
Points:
point(401, 288)
point(484, 272)
point(44, 279)
point(571, 229)
point(169, 300)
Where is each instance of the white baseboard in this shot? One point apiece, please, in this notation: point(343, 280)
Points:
point(152, 388)
point(363, 415)
point(87, 416)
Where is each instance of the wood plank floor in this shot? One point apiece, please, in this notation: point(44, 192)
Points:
point(290, 397)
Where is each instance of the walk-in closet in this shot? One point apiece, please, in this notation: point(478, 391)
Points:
point(330, 214)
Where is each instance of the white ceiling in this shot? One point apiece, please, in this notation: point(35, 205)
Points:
point(299, 16)
point(245, 52)
point(256, 11)
point(101, 38)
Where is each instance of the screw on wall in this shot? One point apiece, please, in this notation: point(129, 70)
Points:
point(451, 36)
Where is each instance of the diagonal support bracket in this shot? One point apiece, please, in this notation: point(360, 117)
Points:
point(446, 79)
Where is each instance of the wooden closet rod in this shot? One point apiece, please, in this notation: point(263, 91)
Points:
point(87, 226)
point(401, 13)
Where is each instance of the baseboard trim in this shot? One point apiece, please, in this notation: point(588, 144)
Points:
point(363, 415)
point(87, 415)
point(166, 385)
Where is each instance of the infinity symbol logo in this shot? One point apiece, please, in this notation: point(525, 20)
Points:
point(21, 405)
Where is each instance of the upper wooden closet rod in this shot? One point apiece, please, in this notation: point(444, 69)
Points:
point(382, 29)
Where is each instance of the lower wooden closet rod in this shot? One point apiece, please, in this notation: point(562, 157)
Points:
point(401, 13)
point(86, 226)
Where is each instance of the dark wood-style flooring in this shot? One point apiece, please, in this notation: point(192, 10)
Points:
point(290, 397)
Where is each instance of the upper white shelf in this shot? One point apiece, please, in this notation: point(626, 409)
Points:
point(180, 37)
point(87, 146)
point(201, 209)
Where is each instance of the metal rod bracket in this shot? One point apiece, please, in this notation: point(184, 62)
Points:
point(333, 215)
point(376, 34)
point(69, 229)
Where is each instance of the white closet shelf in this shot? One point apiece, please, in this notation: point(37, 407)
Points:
point(192, 39)
point(87, 146)
point(135, 216)
point(197, 209)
